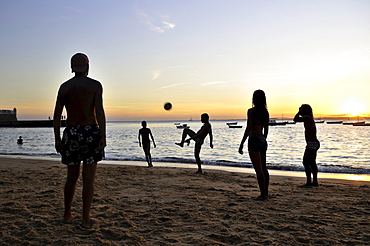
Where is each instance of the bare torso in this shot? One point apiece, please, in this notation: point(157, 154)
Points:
point(78, 95)
point(310, 131)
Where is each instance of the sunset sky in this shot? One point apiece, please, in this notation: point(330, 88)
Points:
point(201, 55)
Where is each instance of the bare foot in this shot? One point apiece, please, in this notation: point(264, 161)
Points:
point(260, 198)
point(199, 172)
point(68, 219)
point(90, 223)
point(180, 144)
point(306, 186)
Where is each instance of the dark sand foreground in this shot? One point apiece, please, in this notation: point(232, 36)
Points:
point(172, 206)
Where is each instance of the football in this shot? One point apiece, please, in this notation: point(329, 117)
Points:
point(167, 106)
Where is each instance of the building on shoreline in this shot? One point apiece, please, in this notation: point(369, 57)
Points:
point(8, 115)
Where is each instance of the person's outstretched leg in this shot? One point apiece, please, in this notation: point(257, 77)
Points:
point(88, 174)
point(69, 191)
point(185, 133)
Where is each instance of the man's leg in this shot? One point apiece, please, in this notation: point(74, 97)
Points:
point(185, 133)
point(314, 170)
point(148, 156)
point(307, 167)
point(88, 175)
point(197, 149)
point(69, 191)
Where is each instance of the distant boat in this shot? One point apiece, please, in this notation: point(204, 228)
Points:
point(182, 126)
point(334, 122)
point(361, 124)
point(231, 123)
point(273, 122)
point(235, 126)
point(352, 123)
point(319, 121)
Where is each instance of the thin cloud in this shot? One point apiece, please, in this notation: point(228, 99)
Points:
point(217, 82)
point(156, 74)
point(168, 25)
point(159, 24)
point(169, 86)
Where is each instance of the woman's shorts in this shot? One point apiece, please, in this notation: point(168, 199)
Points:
point(80, 143)
point(257, 144)
point(314, 145)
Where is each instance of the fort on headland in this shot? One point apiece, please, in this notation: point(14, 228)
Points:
point(8, 118)
point(8, 115)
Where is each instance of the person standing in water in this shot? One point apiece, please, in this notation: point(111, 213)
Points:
point(145, 133)
point(257, 131)
point(20, 140)
point(305, 115)
point(84, 138)
point(198, 137)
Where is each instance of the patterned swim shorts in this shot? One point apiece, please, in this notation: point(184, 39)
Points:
point(80, 143)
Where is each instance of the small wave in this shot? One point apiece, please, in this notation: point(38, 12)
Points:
point(271, 166)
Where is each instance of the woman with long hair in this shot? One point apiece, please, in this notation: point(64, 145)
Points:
point(257, 130)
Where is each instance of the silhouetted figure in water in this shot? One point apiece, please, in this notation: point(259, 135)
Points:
point(20, 140)
point(305, 115)
point(145, 133)
point(198, 137)
point(257, 130)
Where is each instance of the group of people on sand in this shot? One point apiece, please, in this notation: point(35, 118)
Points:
point(257, 131)
point(84, 138)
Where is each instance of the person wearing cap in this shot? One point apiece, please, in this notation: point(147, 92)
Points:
point(84, 138)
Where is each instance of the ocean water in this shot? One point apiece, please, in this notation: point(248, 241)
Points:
point(344, 148)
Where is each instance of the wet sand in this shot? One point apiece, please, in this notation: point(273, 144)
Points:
point(173, 206)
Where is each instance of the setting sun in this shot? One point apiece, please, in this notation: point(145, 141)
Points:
point(353, 108)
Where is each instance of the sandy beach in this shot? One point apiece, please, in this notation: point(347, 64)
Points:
point(173, 206)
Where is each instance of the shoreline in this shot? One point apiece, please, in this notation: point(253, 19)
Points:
point(137, 205)
point(287, 173)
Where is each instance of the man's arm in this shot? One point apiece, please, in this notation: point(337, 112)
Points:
point(56, 122)
point(151, 135)
point(138, 137)
point(298, 117)
point(100, 117)
point(210, 138)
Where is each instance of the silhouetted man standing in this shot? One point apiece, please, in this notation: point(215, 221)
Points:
point(84, 138)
